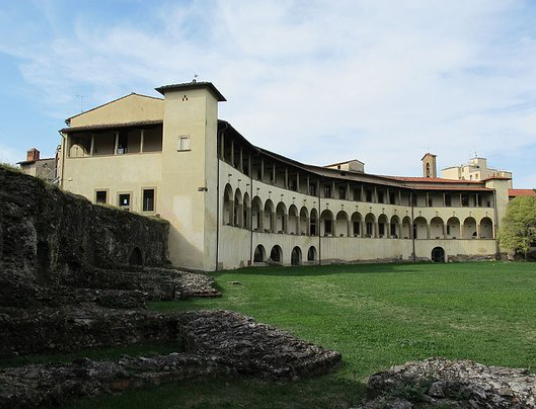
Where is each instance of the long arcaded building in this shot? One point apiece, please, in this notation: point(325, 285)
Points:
point(232, 204)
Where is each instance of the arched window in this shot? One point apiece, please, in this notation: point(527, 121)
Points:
point(260, 254)
point(341, 224)
point(228, 205)
point(326, 223)
point(296, 256)
point(311, 254)
point(276, 255)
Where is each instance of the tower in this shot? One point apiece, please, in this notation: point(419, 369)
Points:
point(429, 165)
point(189, 172)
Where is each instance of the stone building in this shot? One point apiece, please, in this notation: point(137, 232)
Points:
point(41, 168)
point(232, 204)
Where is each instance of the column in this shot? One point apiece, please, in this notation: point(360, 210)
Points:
point(232, 153)
point(92, 149)
point(116, 145)
point(142, 140)
point(262, 169)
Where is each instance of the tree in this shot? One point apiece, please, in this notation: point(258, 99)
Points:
point(518, 232)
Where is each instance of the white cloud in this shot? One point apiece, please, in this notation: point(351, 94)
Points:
point(321, 81)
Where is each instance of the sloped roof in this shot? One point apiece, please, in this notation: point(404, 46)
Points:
point(521, 192)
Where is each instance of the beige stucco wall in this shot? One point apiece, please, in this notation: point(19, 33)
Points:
point(341, 249)
point(131, 108)
point(190, 113)
point(116, 174)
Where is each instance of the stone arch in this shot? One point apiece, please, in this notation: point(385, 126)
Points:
point(237, 209)
point(341, 224)
point(246, 212)
point(469, 228)
point(259, 256)
point(77, 150)
point(304, 221)
point(256, 214)
point(406, 228)
point(276, 255)
point(420, 228)
point(438, 255)
point(486, 228)
point(228, 205)
point(437, 228)
point(281, 218)
point(314, 229)
point(293, 220)
point(136, 257)
point(269, 216)
point(326, 223)
point(394, 227)
point(370, 226)
point(296, 256)
point(383, 224)
point(356, 224)
point(311, 254)
point(453, 228)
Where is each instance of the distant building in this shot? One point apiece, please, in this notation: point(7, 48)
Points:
point(41, 168)
point(477, 169)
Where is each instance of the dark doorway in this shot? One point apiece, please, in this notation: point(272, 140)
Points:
point(438, 255)
point(296, 257)
point(136, 258)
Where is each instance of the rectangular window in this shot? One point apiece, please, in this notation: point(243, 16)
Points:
point(101, 196)
point(342, 193)
point(369, 196)
point(327, 192)
point(357, 195)
point(312, 189)
point(393, 230)
point(448, 229)
point(430, 202)
point(148, 200)
point(448, 201)
point(392, 198)
point(124, 201)
point(356, 229)
point(465, 200)
point(184, 143)
point(369, 229)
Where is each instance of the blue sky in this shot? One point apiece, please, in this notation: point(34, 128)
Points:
point(381, 81)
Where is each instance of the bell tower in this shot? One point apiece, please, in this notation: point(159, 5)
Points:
point(429, 165)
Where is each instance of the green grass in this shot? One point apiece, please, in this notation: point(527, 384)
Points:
point(375, 315)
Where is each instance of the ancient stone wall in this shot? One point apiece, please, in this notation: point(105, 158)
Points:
point(51, 238)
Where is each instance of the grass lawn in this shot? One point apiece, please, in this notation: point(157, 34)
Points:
point(375, 315)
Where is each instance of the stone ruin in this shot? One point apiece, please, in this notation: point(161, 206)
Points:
point(441, 383)
point(75, 276)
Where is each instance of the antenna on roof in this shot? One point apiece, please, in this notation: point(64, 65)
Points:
point(195, 78)
point(81, 102)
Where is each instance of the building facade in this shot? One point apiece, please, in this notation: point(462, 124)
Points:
point(233, 204)
point(475, 169)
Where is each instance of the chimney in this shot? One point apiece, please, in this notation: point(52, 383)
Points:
point(32, 155)
point(429, 165)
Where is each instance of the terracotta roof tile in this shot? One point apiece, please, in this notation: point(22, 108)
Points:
point(521, 192)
